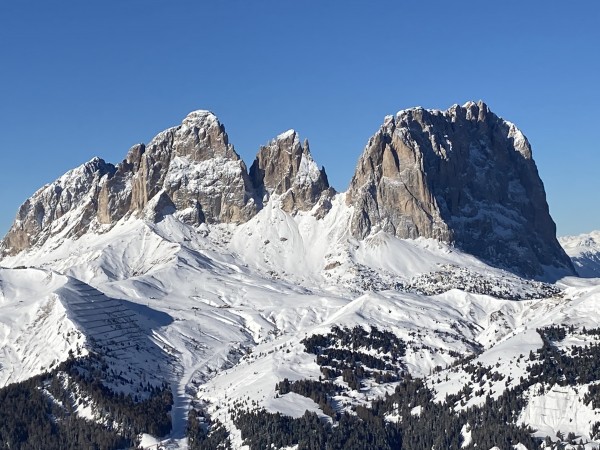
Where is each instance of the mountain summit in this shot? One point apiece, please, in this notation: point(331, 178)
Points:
point(462, 176)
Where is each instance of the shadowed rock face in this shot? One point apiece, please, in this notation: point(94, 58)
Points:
point(464, 176)
point(286, 168)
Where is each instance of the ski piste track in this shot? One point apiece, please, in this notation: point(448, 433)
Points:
point(108, 324)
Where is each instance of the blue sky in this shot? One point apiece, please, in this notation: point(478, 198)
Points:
point(80, 79)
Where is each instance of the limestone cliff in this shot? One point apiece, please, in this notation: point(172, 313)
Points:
point(191, 168)
point(286, 168)
point(464, 176)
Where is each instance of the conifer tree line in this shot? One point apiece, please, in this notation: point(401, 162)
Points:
point(203, 433)
point(411, 419)
point(41, 412)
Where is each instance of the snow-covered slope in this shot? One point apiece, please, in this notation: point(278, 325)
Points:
point(221, 309)
point(47, 318)
point(35, 330)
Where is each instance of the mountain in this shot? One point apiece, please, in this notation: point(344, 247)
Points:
point(584, 251)
point(178, 298)
point(285, 167)
point(464, 176)
point(190, 168)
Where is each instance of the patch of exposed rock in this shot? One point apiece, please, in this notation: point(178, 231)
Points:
point(286, 168)
point(192, 168)
point(66, 206)
point(463, 176)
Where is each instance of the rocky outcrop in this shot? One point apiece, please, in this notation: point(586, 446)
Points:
point(67, 206)
point(464, 176)
point(190, 168)
point(115, 197)
point(286, 168)
point(197, 167)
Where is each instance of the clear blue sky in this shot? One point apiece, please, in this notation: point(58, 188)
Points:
point(80, 79)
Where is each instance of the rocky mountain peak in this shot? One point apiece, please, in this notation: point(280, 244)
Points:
point(66, 206)
point(198, 169)
point(285, 167)
point(464, 176)
point(201, 137)
point(191, 168)
point(200, 117)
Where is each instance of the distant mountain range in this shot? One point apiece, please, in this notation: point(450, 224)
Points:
point(584, 251)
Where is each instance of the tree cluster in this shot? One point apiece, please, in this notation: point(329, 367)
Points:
point(338, 355)
point(261, 429)
point(30, 420)
point(206, 434)
point(508, 287)
point(411, 419)
point(393, 422)
point(382, 340)
point(319, 392)
point(42, 411)
point(557, 367)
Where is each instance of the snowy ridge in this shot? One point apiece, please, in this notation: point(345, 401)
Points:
point(223, 311)
point(35, 330)
point(62, 317)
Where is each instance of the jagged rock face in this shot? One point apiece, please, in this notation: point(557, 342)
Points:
point(191, 168)
point(193, 164)
point(463, 175)
point(198, 168)
point(286, 168)
point(115, 197)
point(66, 206)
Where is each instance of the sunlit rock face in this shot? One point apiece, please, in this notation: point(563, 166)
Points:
point(285, 167)
point(464, 176)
